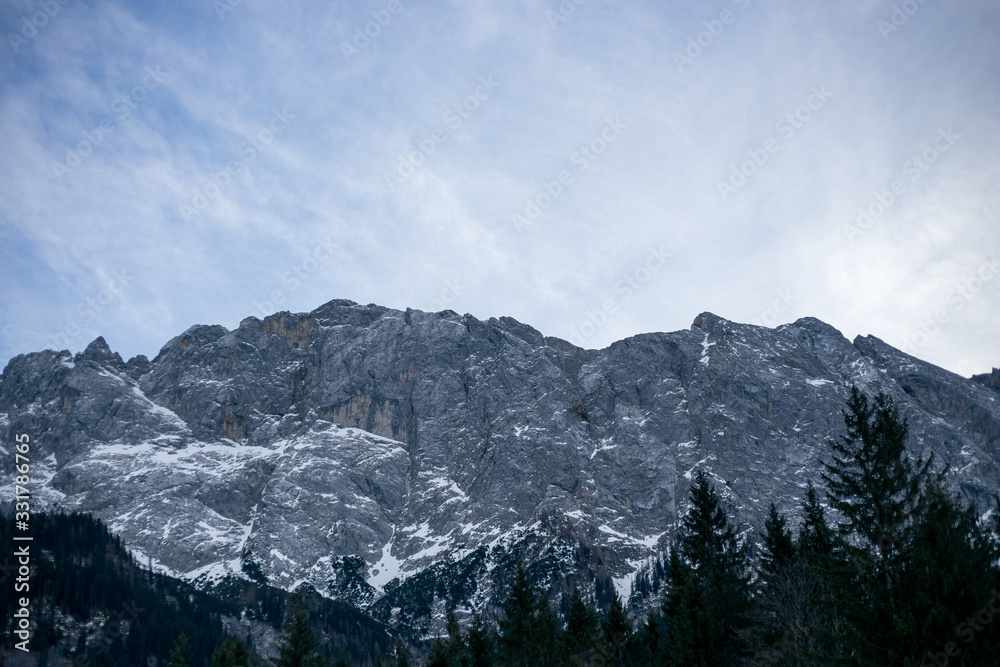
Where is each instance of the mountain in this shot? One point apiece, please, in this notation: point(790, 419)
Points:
point(402, 461)
point(94, 605)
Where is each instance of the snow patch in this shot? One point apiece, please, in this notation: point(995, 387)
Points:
point(704, 350)
point(387, 568)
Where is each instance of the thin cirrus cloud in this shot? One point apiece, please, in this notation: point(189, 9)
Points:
point(533, 159)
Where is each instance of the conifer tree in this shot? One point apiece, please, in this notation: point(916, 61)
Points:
point(232, 653)
point(878, 490)
point(580, 637)
point(181, 655)
point(342, 660)
point(450, 652)
point(402, 656)
point(546, 638)
point(645, 644)
point(872, 481)
point(708, 603)
point(480, 643)
point(950, 575)
point(298, 646)
point(778, 548)
point(686, 639)
point(816, 538)
point(617, 631)
point(518, 625)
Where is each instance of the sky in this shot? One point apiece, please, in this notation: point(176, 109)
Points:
point(595, 169)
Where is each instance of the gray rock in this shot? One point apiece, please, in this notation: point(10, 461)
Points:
point(377, 453)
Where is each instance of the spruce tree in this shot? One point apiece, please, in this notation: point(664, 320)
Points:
point(778, 548)
point(342, 660)
point(480, 641)
point(816, 538)
point(645, 644)
point(450, 652)
point(872, 481)
point(181, 655)
point(546, 638)
point(951, 574)
point(518, 626)
point(617, 631)
point(708, 604)
point(402, 656)
point(878, 490)
point(298, 646)
point(687, 637)
point(582, 625)
point(232, 653)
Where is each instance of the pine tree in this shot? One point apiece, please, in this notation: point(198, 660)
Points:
point(232, 653)
point(481, 641)
point(687, 637)
point(871, 479)
point(950, 575)
point(545, 638)
point(708, 604)
point(793, 603)
point(298, 647)
point(402, 656)
point(518, 624)
point(878, 490)
point(645, 642)
point(778, 548)
point(580, 638)
point(816, 538)
point(342, 660)
point(617, 631)
point(450, 652)
point(181, 655)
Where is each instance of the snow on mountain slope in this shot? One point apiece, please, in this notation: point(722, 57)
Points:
point(377, 453)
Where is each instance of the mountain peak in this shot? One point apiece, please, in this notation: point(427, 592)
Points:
point(99, 351)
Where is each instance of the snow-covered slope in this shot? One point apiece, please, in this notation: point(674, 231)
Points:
point(395, 459)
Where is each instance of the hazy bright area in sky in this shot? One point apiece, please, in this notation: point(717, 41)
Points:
point(594, 169)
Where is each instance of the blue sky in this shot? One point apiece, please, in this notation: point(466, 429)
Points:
point(594, 169)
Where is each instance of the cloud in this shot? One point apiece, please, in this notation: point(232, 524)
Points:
point(410, 90)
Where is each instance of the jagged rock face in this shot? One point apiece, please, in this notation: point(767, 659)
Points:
point(354, 445)
point(991, 380)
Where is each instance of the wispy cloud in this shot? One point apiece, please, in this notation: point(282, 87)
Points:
point(408, 87)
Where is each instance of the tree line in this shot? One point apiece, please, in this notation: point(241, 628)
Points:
point(901, 573)
point(887, 567)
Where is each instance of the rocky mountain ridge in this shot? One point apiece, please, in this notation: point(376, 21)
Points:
point(396, 459)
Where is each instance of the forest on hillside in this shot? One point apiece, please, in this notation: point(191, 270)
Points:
point(887, 567)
